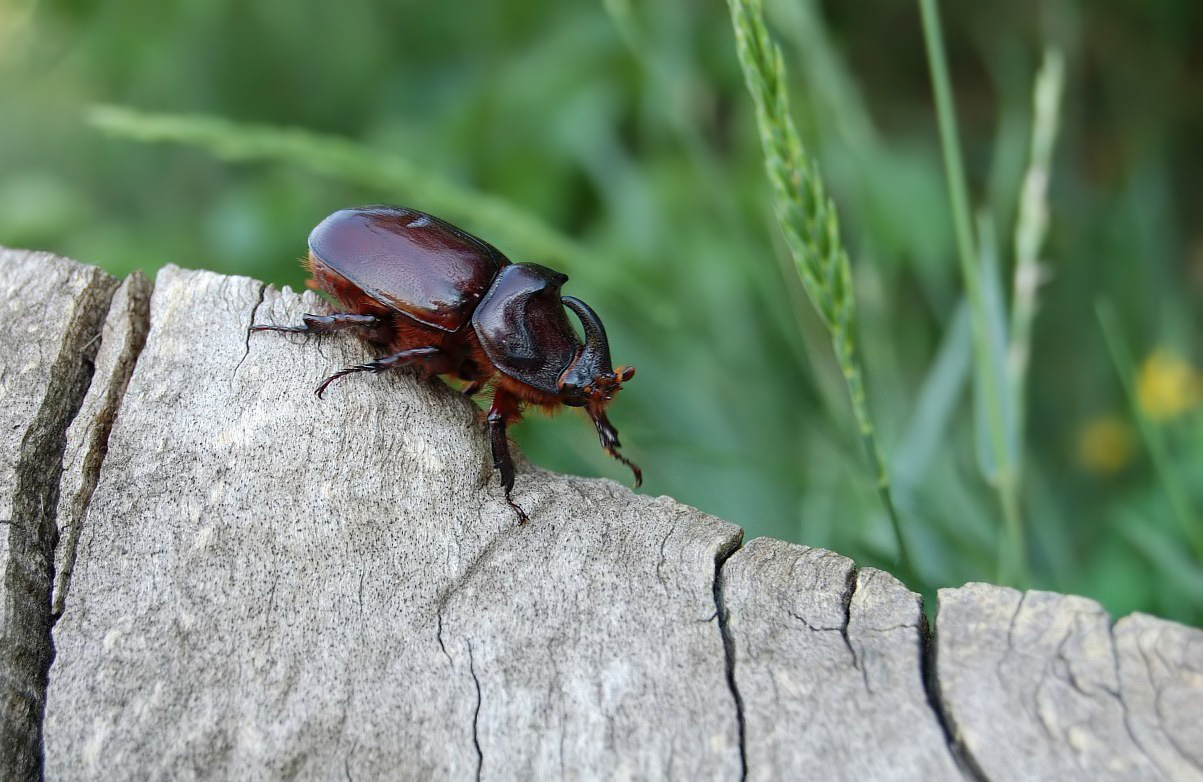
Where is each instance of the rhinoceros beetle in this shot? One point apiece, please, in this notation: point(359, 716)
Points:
point(440, 299)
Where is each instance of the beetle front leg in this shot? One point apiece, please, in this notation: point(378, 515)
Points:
point(395, 361)
point(325, 324)
point(504, 407)
point(609, 441)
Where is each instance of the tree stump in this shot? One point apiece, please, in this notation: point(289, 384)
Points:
point(210, 573)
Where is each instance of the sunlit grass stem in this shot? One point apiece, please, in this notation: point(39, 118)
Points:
point(1031, 228)
point(810, 224)
point(1012, 556)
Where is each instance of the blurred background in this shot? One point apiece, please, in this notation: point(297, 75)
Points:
point(616, 141)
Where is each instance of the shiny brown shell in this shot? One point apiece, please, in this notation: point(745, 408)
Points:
point(409, 261)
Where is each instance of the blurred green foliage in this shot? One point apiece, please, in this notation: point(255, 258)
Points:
point(616, 140)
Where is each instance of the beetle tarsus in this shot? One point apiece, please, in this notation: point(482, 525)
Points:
point(634, 467)
point(324, 324)
point(522, 517)
point(609, 442)
point(395, 361)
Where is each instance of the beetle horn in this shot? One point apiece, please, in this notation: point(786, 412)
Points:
point(594, 360)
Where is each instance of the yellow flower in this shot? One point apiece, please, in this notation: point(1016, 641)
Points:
point(1105, 445)
point(1166, 386)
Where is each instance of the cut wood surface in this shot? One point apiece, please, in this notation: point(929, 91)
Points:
point(254, 583)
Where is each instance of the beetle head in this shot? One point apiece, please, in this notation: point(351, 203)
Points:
point(590, 379)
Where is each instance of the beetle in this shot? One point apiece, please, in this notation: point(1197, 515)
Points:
point(438, 298)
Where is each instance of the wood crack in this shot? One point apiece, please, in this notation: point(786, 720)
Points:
point(250, 322)
point(480, 755)
point(1118, 694)
point(137, 311)
point(846, 599)
point(931, 686)
point(32, 535)
point(729, 650)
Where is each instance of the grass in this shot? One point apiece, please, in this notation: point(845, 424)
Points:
point(1031, 227)
point(997, 410)
point(1152, 435)
point(336, 158)
point(808, 220)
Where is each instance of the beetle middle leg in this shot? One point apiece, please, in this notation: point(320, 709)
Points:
point(504, 408)
point(395, 361)
point(325, 324)
point(609, 441)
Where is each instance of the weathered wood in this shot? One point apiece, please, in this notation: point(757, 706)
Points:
point(827, 662)
point(50, 313)
point(1035, 687)
point(269, 585)
point(121, 340)
point(1161, 688)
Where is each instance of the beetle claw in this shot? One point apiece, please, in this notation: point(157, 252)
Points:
point(634, 467)
point(523, 519)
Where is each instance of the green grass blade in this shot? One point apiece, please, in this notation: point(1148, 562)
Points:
point(950, 139)
point(992, 398)
point(353, 163)
point(991, 386)
point(811, 227)
point(928, 430)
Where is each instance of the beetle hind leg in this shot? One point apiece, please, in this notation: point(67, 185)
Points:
point(395, 361)
point(325, 324)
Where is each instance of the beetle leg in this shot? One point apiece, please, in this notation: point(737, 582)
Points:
point(325, 324)
point(609, 441)
point(395, 361)
point(504, 407)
